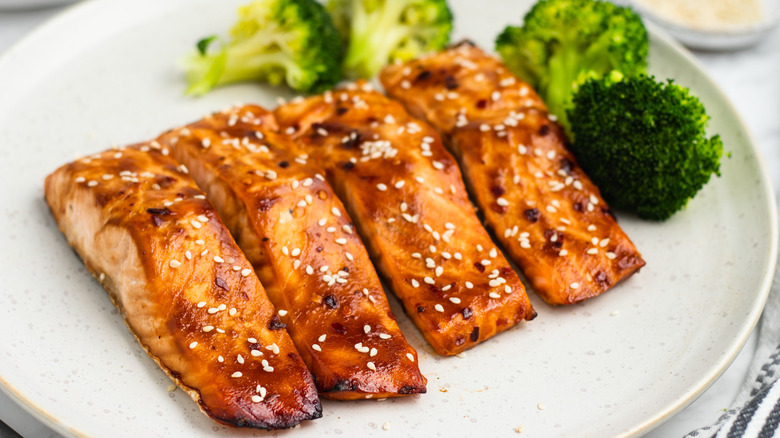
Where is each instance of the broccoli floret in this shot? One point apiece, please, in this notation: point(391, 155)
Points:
point(378, 32)
point(275, 41)
point(643, 143)
point(564, 42)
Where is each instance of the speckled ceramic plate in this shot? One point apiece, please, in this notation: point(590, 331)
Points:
point(105, 73)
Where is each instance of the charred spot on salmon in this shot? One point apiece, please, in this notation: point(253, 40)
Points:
point(420, 309)
point(344, 385)
point(475, 334)
point(481, 104)
point(566, 165)
point(222, 284)
point(160, 211)
point(338, 328)
point(480, 267)
point(255, 346)
point(532, 214)
point(352, 140)
point(497, 190)
point(276, 323)
point(331, 301)
point(341, 110)
point(464, 42)
point(601, 278)
point(284, 164)
point(577, 207)
point(450, 82)
point(460, 340)
point(348, 165)
point(157, 220)
point(544, 130)
point(266, 204)
point(407, 389)
point(423, 75)
point(319, 249)
point(466, 312)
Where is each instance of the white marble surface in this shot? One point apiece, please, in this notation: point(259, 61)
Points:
point(749, 78)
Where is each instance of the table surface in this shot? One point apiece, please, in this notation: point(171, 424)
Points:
point(748, 78)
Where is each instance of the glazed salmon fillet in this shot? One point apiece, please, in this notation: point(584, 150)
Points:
point(303, 246)
point(544, 210)
point(405, 192)
point(185, 290)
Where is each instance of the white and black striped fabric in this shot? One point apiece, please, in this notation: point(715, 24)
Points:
point(756, 410)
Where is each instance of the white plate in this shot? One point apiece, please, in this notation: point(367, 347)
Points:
point(104, 73)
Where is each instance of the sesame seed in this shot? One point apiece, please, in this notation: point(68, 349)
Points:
point(611, 255)
point(495, 95)
point(494, 283)
point(208, 328)
point(220, 359)
point(240, 359)
point(384, 336)
point(419, 179)
point(335, 212)
point(174, 263)
point(437, 165)
point(604, 242)
point(316, 347)
point(429, 280)
point(399, 184)
point(373, 352)
point(349, 256)
point(455, 300)
point(341, 241)
point(494, 295)
point(502, 202)
point(219, 259)
point(322, 222)
point(232, 311)
point(485, 262)
point(381, 187)
point(563, 252)
point(458, 256)
point(469, 285)
point(309, 269)
point(371, 366)
point(410, 356)
point(415, 283)
point(593, 251)
point(256, 353)
point(200, 242)
point(245, 272)
point(540, 406)
point(92, 184)
point(205, 142)
point(237, 374)
point(236, 268)
point(439, 308)
point(439, 271)
point(366, 329)
point(257, 399)
point(193, 344)
point(213, 310)
point(574, 285)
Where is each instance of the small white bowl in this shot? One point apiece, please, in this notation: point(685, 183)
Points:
point(737, 37)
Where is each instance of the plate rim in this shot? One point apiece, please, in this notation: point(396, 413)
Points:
point(653, 421)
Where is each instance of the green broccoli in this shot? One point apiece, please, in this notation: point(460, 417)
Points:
point(564, 42)
point(643, 143)
point(377, 32)
point(276, 41)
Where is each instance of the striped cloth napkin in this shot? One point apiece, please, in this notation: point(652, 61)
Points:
point(756, 410)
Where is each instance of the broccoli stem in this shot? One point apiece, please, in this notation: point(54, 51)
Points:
point(374, 36)
point(564, 63)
